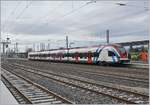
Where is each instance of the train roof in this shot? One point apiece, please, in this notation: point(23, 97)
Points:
point(92, 48)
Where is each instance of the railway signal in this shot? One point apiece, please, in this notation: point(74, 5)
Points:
point(5, 44)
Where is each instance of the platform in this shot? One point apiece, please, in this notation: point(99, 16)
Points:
point(6, 98)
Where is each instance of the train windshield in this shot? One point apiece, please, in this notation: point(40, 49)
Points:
point(122, 50)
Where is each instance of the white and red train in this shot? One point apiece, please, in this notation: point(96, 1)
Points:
point(103, 54)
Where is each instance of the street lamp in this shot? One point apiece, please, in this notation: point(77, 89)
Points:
point(92, 1)
point(5, 44)
point(121, 4)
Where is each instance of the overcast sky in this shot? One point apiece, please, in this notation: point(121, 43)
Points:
point(85, 23)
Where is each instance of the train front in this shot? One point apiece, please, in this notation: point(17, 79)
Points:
point(124, 55)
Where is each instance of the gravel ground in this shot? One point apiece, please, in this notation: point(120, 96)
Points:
point(75, 94)
point(79, 96)
point(73, 70)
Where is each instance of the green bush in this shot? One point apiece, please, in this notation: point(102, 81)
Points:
point(135, 56)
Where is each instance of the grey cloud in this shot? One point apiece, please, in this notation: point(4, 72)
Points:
point(38, 29)
point(91, 20)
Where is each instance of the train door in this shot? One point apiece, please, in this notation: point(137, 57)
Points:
point(103, 56)
point(60, 55)
point(89, 57)
point(53, 57)
point(77, 57)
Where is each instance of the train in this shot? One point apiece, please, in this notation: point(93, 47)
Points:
point(101, 54)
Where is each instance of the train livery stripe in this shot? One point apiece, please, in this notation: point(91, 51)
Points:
point(96, 58)
point(113, 58)
point(116, 54)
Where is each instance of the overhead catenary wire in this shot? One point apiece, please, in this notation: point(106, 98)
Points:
point(11, 15)
point(129, 33)
point(47, 15)
point(21, 13)
point(112, 22)
point(87, 3)
point(23, 10)
point(72, 11)
point(54, 10)
point(67, 14)
point(63, 40)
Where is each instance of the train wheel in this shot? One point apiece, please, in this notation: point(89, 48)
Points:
point(102, 63)
point(107, 64)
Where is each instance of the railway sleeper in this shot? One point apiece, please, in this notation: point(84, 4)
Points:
point(40, 98)
point(41, 101)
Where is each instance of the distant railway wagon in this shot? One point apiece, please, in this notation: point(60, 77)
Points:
point(103, 54)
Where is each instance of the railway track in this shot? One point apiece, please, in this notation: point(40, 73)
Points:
point(119, 94)
point(27, 92)
point(113, 74)
point(125, 66)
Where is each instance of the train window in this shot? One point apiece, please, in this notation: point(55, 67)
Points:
point(81, 55)
point(54, 55)
point(85, 57)
point(96, 54)
point(49, 55)
point(42, 55)
point(45, 55)
point(62, 55)
point(110, 53)
point(65, 55)
point(71, 55)
point(68, 54)
point(122, 50)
